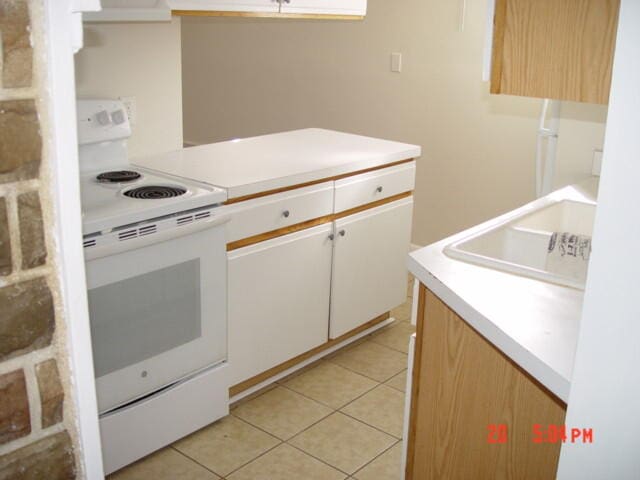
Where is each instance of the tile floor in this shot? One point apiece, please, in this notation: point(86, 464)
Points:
point(340, 418)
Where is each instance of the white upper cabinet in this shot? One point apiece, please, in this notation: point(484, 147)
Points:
point(130, 11)
point(261, 6)
point(330, 7)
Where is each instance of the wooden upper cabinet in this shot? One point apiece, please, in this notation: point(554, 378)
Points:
point(559, 49)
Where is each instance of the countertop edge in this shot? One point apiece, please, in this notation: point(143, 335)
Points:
point(428, 262)
point(535, 367)
point(317, 175)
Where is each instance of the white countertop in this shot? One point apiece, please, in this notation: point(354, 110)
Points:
point(253, 165)
point(534, 323)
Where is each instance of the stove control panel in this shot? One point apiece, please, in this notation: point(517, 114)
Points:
point(101, 120)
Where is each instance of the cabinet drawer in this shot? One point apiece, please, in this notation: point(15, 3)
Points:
point(265, 214)
point(369, 187)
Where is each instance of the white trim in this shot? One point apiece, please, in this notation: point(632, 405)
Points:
point(65, 189)
point(487, 49)
point(309, 361)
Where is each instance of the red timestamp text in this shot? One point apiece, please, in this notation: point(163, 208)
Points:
point(498, 433)
point(561, 434)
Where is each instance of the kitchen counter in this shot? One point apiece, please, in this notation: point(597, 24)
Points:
point(534, 323)
point(258, 164)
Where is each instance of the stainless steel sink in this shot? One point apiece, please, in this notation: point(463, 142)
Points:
point(520, 244)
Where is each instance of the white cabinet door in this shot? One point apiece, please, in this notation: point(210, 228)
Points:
point(278, 300)
point(272, 6)
point(369, 264)
point(334, 7)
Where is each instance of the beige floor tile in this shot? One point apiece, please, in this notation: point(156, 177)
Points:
point(343, 442)
point(396, 337)
point(253, 395)
point(166, 464)
point(226, 445)
point(399, 382)
point(382, 407)
point(386, 467)
point(286, 463)
point(300, 371)
point(402, 313)
point(372, 360)
point(331, 384)
point(281, 412)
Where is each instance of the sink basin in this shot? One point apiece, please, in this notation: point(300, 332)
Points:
point(519, 245)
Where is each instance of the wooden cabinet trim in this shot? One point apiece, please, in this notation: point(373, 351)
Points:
point(299, 16)
point(415, 382)
point(314, 182)
point(246, 384)
point(245, 242)
point(524, 400)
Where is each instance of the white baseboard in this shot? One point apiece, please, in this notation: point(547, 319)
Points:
point(310, 360)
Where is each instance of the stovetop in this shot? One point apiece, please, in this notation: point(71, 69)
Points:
point(132, 194)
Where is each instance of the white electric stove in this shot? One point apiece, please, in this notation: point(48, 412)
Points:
point(116, 193)
point(155, 252)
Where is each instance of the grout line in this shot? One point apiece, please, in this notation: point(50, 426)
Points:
point(330, 406)
point(194, 461)
point(371, 426)
point(349, 416)
point(375, 458)
point(319, 459)
point(296, 434)
point(370, 378)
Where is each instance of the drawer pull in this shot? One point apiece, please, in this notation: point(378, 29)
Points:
point(342, 233)
point(285, 214)
point(331, 236)
point(379, 189)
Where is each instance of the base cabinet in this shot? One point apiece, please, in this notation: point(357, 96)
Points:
point(278, 300)
point(312, 266)
point(473, 410)
point(369, 273)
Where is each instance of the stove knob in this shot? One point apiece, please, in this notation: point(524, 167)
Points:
point(103, 118)
point(118, 117)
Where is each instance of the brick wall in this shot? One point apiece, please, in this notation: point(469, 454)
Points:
point(37, 431)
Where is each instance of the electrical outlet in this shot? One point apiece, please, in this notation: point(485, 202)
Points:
point(130, 107)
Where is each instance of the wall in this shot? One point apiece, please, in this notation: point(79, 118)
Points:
point(605, 388)
point(38, 434)
point(245, 77)
point(140, 60)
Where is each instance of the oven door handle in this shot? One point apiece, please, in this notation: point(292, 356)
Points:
point(100, 251)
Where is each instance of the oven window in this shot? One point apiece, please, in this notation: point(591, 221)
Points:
point(143, 316)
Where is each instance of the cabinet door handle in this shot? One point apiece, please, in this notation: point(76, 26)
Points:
point(331, 236)
point(342, 233)
point(379, 189)
point(285, 214)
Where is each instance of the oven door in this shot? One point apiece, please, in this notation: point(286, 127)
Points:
point(157, 310)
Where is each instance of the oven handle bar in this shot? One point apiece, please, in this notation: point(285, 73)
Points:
point(162, 236)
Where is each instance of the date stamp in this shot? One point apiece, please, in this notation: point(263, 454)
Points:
point(498, 433)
